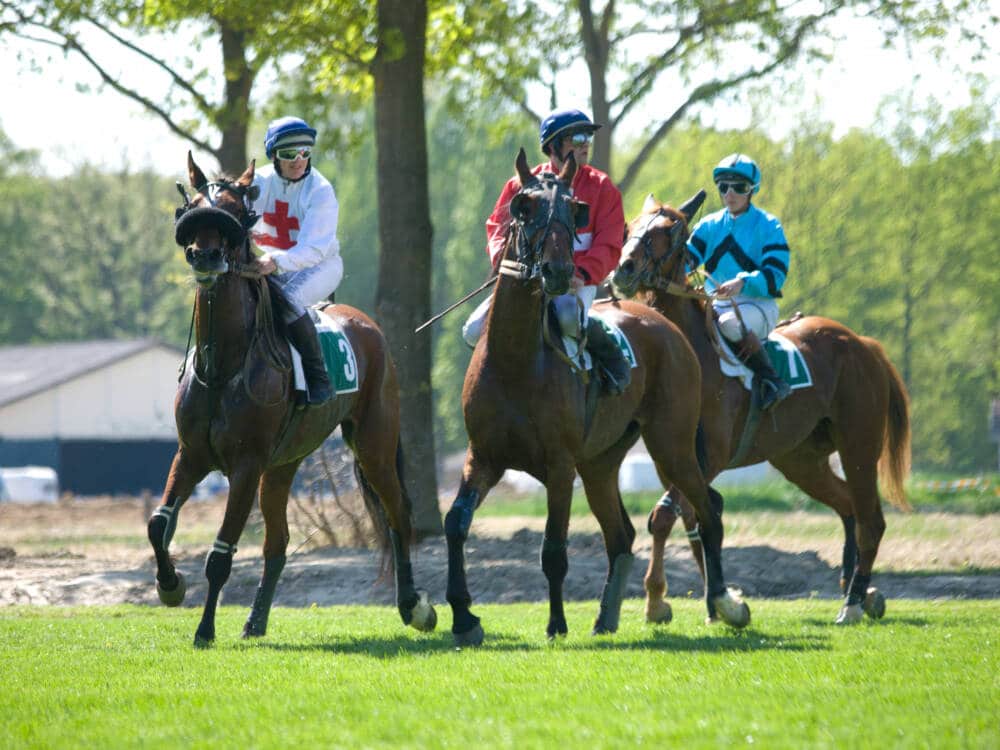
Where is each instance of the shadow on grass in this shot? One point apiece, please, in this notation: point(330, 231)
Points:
point(402, 645)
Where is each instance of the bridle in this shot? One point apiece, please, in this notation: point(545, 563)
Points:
point(529, 254)
point(649, 273)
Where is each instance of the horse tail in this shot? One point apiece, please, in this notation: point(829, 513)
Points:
point(894, 463)
point(380, 524)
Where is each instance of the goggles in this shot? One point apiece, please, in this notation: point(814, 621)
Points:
point(580, 139)
point(740, 188)
point(292, 153)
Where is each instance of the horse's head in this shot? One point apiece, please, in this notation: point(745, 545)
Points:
point(212, 227)
point(546, 217)
point(655, 247)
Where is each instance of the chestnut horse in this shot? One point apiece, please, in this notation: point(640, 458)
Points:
point(235, 412)
point(857, 406)
point(526, 409)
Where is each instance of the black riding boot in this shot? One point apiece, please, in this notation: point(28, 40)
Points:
point(773, 389)
point(609, 355)
point(303, 335)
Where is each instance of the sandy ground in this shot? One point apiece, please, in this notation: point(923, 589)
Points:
point(95, 552)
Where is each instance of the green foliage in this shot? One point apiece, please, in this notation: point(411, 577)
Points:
point(354, 677)
point(94, 257)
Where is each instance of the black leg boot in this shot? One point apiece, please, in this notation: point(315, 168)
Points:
point(609, 355)
point(303, 336)
point(773, 389)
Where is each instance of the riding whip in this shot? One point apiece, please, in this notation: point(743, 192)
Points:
point(490, 282)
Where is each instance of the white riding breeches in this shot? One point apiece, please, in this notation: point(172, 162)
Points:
point(310, 285)
point(569, 310)
point(760, 315)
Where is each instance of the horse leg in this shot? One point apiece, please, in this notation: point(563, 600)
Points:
point(600, 481)
point(275, 484)
point(184, 475)
point(680, 467)
point(379, 462)
point(661, 522)
point(811, 472)
point(242, 486)
point(477, 480)
point(555, 563)
point(862, 479)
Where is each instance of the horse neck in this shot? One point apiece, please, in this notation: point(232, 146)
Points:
point(686, 313)
point(224, 325)
point(514, 325)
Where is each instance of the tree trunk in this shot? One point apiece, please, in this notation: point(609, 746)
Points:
point(403, 293)
point(234, 119)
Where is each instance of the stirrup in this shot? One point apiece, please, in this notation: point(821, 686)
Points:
point(773, 392)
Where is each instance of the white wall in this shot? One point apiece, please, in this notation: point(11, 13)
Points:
point(130, 399)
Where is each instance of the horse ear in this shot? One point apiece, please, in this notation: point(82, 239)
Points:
point(690, 208)
point(650, 204)
point(195, 175)
point(246, 178)
point(521, 165)
point(569, 169)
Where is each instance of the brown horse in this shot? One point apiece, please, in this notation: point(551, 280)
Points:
point(857, 406)
point(235, 412)
point(526, 409)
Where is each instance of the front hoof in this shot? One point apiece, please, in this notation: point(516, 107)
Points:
point(422, 616)
point(850, 614)
point(602, 629)
point(471, 638)
point(253, 631)
point(172, 597)
point(731, 608)
point(874, 604)
point(658, 612)
point(202, 641)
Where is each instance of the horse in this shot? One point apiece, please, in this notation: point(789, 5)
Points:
point(526, 409)
point(857, 406)
point(236, 412)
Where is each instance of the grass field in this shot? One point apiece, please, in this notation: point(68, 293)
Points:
point(353, 677)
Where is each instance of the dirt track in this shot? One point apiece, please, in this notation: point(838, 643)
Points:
point(94, 552)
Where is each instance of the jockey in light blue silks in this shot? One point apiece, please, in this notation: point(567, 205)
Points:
point(745, 255)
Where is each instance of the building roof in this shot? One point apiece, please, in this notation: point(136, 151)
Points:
point(32, 368)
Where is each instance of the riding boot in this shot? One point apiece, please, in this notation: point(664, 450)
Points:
point(773, 389)
point(609, 355)
point(303, 335)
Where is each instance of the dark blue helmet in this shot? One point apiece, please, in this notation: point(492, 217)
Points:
point(288, 131)
point(560, 121)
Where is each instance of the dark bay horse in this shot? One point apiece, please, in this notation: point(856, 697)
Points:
point(857, 406)
point(235, 412)
point(526, 409)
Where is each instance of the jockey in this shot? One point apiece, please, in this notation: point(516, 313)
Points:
point(597, 247)
point(297, 234)
point(745, 255)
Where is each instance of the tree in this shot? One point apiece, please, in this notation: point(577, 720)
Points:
point(173, 87)
point(701, 50)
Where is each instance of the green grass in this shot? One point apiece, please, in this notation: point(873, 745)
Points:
point(353, 677)
point(771, 495)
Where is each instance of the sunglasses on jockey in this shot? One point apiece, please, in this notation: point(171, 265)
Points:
point(740, 188)
point(580, 138)
point(293, 152)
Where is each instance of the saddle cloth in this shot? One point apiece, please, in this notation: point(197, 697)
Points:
point(787, 360)
point(341, 363)
point(583, 359)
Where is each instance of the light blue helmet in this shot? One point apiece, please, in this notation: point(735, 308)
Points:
point(738, 166)
point(288, 131)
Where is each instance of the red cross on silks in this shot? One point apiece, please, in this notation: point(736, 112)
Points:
point(282, 224)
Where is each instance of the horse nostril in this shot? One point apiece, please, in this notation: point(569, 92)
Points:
point(628, 266)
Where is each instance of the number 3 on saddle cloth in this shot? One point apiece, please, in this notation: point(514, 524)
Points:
point(787, 360)
point(341, 364)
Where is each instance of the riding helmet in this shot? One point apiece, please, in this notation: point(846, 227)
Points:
point(738, 166)
point(288, 131)
point(560, 121)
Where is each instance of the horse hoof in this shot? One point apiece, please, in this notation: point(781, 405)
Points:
point(423, 616)
point(731, 608)
point(249, 631)
point(201, 641)
point(472, 637)
point(874, 604)
point(172, 597)
point(658, 613)
point(850, 614)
